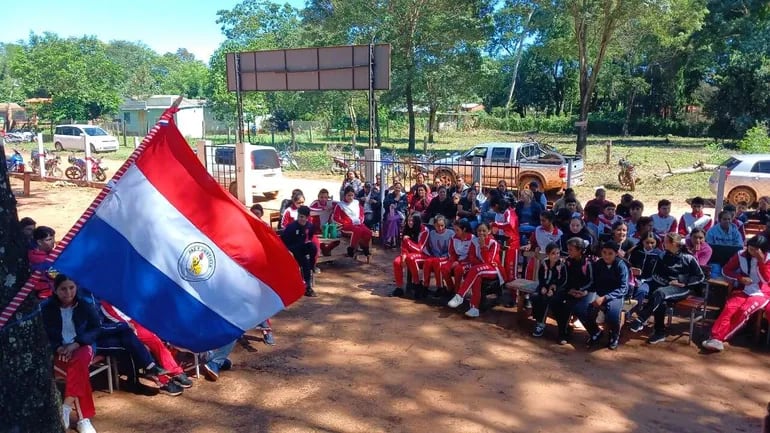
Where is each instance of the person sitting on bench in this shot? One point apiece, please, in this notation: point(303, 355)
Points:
point(298, 238)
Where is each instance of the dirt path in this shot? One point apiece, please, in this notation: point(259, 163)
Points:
point(353, 360)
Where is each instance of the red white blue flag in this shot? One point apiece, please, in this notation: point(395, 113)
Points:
point(172, 249)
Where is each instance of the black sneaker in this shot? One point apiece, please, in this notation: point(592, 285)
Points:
point(636, 325)
point(226, 365)
point(310, 293)
point(171, 388)
point(366, 251)
point(614, 341)
point(182, 380)
point(419, 292)
point(155, 370)
point(657, 337)
point(351, 251)
point(399, 292)
point(593, 339)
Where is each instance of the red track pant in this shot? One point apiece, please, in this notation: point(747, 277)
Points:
point(78, 381)
point(432, 266)
point(159, 351)
point(453, 274)
point(360, 235)
point(737, 311)
point(473, 279)
point(412, 262)
point(511, 264)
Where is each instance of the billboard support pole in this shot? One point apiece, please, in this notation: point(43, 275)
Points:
point(238, 98)
point(372, 110)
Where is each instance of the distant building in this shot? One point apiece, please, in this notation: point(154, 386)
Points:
point(139, 116)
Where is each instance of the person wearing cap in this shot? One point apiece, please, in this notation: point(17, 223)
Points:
point(298, 238)
point(537, 195)
point(610, 286)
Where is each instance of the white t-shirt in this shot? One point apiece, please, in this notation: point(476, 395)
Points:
point(68, 333)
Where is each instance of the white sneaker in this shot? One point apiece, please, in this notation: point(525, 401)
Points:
point(713, 345)
point(456, 301)
point(316, 270)
point(473, 312)
point(66, 410)
point(84, 426)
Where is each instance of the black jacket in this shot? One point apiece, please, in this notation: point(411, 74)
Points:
point(580, 274)
point(84, 315)
point(681, 267)
point(294, 236)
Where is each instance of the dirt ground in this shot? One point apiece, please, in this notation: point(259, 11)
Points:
point(353, 360)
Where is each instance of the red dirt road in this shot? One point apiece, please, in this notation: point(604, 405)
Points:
point(353, 360)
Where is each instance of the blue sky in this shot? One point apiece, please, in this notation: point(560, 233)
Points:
point(164, 25)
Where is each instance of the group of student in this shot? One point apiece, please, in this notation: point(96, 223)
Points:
point(78, 324)
point(588, 260)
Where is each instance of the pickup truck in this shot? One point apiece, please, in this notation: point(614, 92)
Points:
point(516, 163)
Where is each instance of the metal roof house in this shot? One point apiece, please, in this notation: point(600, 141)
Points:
point(140, 115)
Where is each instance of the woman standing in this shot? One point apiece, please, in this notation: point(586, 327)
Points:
point(349, 214)
point(72, 326)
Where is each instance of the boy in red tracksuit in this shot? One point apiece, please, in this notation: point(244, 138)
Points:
point(485, 257)
point(459, 258)
point(695, 218)
point(156, 347)
point(751, 269)
point(507, 223)
point(414, 241)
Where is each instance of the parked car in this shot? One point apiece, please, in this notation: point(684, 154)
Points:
point(748, 178)
point(70, 137)
point(264, 169)
point(516, 163)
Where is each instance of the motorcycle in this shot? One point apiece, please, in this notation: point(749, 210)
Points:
point(77, 171)
point(627, 175)
point(15, 164)
point(51, 163)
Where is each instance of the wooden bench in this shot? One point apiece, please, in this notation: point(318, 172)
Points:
point(522, 287)
point(753, 228)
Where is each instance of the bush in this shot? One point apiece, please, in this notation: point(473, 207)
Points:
point(756, 140)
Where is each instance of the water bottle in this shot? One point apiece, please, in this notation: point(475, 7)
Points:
point(333, 231)
point(325, 231)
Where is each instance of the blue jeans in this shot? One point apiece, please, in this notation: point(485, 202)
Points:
point(215, 358)
point(587, 314)
point(640, 294)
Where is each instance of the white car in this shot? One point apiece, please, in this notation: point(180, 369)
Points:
point(70, 137)
point(748, 178)
point(263, 169)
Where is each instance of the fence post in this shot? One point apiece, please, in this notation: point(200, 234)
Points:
point(476, 172)
point(136, 142)
point(26, 191)
point(424, 144)
point(311, 134)
point(200, 150)
point(41, 154)
point(372, 164)
point(242, 180)
point(383, 190)
point(89, 176)
point(720, 189)
point(569, 172)
point(608, 154)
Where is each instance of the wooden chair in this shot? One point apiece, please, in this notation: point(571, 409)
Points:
point(697, 306)
point(275, 219)
point(753, 227)
point(99, 364)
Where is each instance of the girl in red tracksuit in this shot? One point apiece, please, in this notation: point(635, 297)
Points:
point(436, 255)
point(349, 214)
point(485, 255)
point(751, 269)
point(412, 256)
point(459, 259)
point(507, 223)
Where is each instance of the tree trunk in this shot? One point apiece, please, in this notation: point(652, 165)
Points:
point(28, 395)
point(432, 122)
point(519, 51)
point(410, 113)
point(629, 108)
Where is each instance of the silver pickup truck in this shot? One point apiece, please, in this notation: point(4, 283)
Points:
point(516, 163)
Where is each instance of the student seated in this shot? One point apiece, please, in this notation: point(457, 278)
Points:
point(441, 205)
point(695, 218)
point(351, 180)
point(762, 214)
point(576, 229)
point(45, 242)
point(697, 247)
point(551, 278)
point(574, 297)
point(395, 213)
point(675, 275)
point(750, 269)
point(485, 259)
point(459, 258)
point(349, 214)
point(505, 225)
point(643, 258)
point(72, 326)
point(724, 234)
point(610, 286)
point(624, 207)
point(437, 256)
point(28, 226)
point(298, 238)
point(412, 256)
point(663, 222)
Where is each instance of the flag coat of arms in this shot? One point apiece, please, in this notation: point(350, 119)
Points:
point(166, 244)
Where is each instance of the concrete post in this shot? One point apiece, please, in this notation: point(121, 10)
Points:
point(242, 179)
point(476, 172)
point(372, 164)
point(137, 142)
point(200, 150)
point(41, 154)
point(720, 190)
point(89, 176)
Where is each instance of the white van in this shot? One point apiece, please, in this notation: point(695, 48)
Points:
point(70, 137)
point(264, 168)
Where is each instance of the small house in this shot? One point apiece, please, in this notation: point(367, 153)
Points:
point(139, 116)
